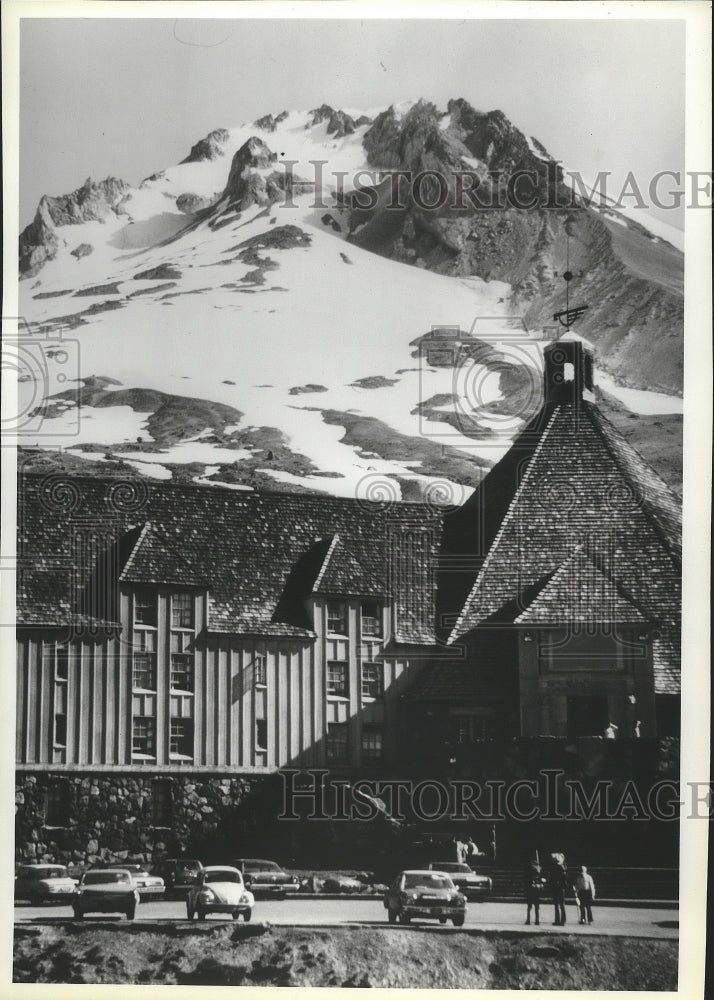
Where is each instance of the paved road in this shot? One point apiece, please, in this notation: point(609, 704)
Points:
point(614, 920)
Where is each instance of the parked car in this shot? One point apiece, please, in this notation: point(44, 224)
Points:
point(178, 874)
point(429, 894)
point(44, 883)
point(219, 889)
point(266, 878)
point(466, 880)
point(149, 886)
point(106, 890)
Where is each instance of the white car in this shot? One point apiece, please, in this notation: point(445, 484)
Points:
point(44, 884)
point(471, 883)
point(219, 889)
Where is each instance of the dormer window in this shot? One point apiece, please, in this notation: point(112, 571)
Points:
point(371, 618)
point(337, 617)
point(145, 608)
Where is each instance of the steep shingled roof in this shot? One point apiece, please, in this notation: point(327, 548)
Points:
point(241, 546)
point(571, 481)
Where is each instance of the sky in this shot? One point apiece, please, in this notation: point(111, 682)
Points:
point(128, 97)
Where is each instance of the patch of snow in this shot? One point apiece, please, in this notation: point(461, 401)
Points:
point(149, 469)
point(537, 152)
point(640, 400)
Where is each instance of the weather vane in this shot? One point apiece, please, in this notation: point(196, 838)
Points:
point(566, 317)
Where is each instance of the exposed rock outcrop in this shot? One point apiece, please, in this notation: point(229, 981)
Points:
point(192, 203)
point(248, 184)
point(268, 123)
point(515, 224)
point(339, 123)
point(209, 148)
point(92, 202)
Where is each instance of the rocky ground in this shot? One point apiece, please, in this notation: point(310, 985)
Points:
point(223, 954)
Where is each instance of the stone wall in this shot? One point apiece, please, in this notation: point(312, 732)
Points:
point(84, 818)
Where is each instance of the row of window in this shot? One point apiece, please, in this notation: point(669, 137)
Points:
point(143, 737)
point(370, 618)
point(181, 739)
point(338, 677)
point(145, 609)
point(337, 743)
point(182, 613)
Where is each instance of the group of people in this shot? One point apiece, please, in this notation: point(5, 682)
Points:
point(556, 878)
point(466, 851)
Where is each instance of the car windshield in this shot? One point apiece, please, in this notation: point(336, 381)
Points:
point(101, 878)
point(261, 866)
point(427, 880)
point(224, 875)
point(451, 866)
point(187, 868)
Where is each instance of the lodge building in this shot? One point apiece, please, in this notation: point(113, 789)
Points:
point(172, 635)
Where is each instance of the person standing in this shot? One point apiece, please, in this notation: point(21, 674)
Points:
point(533, 885)
point(585, 893)
point(558, 883)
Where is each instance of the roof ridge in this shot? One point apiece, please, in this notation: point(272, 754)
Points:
point(580, 553)
point(135, 548)
point(502, 526)
point(598, 419)
point(326, 560)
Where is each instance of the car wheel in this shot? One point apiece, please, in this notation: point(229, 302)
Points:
point(405, 918)
point(392, 915)
point(35, 900)
point(247, 914)
point(131, 911)
point(77, 914)
point(442, 920)
point(201, 914)
point(457, 921)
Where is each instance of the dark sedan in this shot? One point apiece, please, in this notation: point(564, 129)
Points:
point(266, 878)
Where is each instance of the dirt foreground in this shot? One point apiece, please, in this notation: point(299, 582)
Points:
point(222, 954)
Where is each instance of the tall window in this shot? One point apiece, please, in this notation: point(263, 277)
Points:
point(60, 731)
point(337, 617)
point(57, 803)
point(372, 680)
point(259, 673)
point(144, 736)
point(181, 672)
point(145, 608)
point(371, 617)
point(336, 743)
point(372, 743)
point(261, 734)
point(62, 663)
point(181, 737)
point(182, 611)
point(162, 802)
point(337, 677)
point(144, 661)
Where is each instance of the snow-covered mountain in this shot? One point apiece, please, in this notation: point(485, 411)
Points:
point(258, 314)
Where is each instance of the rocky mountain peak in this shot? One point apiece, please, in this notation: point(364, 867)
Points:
point(246, 185)
point(339, 123)
point(209, 148)
point(90, 202)
point(268, 123)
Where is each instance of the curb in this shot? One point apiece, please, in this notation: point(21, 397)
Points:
point(655, 904)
